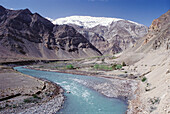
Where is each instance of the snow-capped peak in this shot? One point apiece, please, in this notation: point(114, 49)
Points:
point(86, 21)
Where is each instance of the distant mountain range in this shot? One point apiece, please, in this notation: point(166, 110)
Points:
point(109, 35)
point(26, 34)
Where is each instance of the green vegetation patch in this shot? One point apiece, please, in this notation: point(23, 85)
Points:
point(107, 68)
point(36, 97)
point(70, 66)
point(102, 67)
point(144, 79)
point(117, 66)
point(155, 100)
point(114, 57)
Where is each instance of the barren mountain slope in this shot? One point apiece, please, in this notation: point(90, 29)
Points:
point(109, 35)
point(150, 58)
point(27, 34)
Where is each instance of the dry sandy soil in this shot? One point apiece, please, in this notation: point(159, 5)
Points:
point(20, 93)
point(154, 92)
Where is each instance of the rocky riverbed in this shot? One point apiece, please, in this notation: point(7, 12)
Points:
point(114, 86)
point(117, 88)
point(25, 94)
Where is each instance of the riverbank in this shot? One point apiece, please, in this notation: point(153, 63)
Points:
point(115, 87)
point(25, 94)
point(150, 81)
point(120, 83)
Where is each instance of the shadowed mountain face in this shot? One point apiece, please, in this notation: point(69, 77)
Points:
point(116, 36)
point(23, 33)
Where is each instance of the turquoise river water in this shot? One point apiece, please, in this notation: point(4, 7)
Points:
point(81, 99)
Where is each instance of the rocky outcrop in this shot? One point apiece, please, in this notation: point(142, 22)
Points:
point(150, 60)
point(109, 35)
point(160, 29)
point(30, 35)
point(157, 40)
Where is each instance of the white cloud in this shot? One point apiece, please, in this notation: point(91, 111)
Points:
point(49, 19)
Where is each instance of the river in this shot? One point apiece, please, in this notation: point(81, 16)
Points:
point(81, 99)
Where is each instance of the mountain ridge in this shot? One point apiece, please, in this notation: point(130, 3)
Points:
point(89, 21)
point(109, 35)
point(27, 34)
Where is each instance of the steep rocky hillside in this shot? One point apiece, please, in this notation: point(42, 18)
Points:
point(26, 34)
point(156, 41)
point(150, 59)
point(109, 35)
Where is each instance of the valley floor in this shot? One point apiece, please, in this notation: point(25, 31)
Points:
point(122, 84)
point(151, 77)
point(144, 85)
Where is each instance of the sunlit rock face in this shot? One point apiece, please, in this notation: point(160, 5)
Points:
point(109, 35)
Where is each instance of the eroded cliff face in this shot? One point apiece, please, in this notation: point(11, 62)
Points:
point(160, 29)
point(23, 33)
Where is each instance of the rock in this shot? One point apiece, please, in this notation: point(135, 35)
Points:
point(27, 34)
point(168, 71)
point(68, 92)
point(115, 37)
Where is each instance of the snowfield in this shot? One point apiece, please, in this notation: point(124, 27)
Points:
point(87, 21)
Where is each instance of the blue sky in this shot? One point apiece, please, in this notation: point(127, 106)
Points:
point(141, 11)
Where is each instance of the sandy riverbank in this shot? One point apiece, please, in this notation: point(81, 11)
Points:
point(25, 94)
